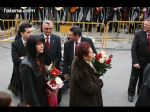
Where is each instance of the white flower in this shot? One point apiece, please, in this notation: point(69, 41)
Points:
point(101, 60)
point(60, 85)
point(103, 54)
point(58, 80)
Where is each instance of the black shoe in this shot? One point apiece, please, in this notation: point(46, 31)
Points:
point(130, 98)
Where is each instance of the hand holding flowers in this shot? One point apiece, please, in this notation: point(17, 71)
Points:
point(102, 62)
point(55, 81)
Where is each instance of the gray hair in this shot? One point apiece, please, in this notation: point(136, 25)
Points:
point(147, 19)
point(47, 22)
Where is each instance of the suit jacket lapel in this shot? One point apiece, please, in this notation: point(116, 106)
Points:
point(21, 47)
point(72, 49)
point(145, 38)
point(52, 40)
point(42, 35)
point(82, 39)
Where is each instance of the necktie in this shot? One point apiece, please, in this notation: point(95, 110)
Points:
point(47, 42)
point(76, 45)
point(148, 41)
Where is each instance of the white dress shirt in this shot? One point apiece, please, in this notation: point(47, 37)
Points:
point(46, 37)
point(147, 35)
point(23, 41)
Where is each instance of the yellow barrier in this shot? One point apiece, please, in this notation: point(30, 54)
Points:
point(99, 32)
point(91, 29)
point(121, 31)
point(9, 27)
point(65, 28)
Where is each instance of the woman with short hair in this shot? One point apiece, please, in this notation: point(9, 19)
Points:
point(86, 86)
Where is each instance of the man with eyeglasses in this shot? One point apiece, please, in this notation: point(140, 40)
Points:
point(52, 47)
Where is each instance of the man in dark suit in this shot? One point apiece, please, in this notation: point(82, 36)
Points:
point(52, 48)
point(140, 58)
point(18, 51)
point(75, 37)
point(52, 45)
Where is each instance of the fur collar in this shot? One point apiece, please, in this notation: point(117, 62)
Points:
point(80, 63)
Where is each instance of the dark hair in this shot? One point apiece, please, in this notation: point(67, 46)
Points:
point(31, 46)
point(22, 28)
point(82, 50)
point(76, 30)
point(5, 99)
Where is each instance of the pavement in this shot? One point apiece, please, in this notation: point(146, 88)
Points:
point(115, 80)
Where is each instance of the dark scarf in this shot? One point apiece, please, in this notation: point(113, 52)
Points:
point(40, 65)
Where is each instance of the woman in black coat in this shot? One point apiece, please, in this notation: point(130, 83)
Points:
point(86, 86)
point(33, 74)
point(144, 95)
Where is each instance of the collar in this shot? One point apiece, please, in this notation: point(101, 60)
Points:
point(79, 40)
point(147, 34)
point(46, 36)
point(23, 40)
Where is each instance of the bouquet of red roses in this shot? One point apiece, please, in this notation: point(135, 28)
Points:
point(55, 81)
point(102, 62)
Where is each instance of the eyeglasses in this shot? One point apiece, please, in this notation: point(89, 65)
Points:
point(48, 28)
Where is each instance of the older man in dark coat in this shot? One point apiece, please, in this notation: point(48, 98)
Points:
point(140, 58)
point(52, 45)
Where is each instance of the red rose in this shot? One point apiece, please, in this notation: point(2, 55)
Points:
point(108, 61)
point(58, 72)
point(52, 82)
point(55, 72)
point(111, 56)
point(98, 56)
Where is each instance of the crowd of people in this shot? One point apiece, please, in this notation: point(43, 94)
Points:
point(79, 14)
point(32, 55)
point(92, 14)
